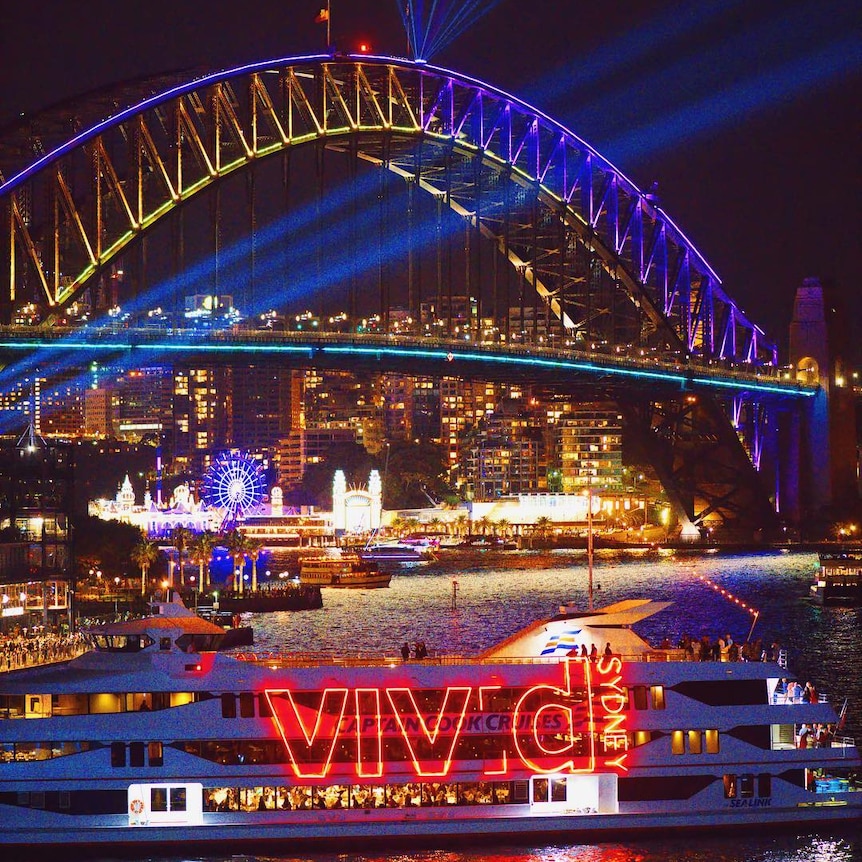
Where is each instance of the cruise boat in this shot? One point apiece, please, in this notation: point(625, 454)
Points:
point(397, 552)
point(155, 741)
point(341, 570)
point(838, 580)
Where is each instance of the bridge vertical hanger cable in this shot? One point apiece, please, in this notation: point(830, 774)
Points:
point(288, 235)
point(561, 274)
point(477, 243)
point(468, 282)
point(381, 218)
point(319, 165)
point(438, 201)
point(507, 264)
point(448, 170)
point(252, 197)
point(534, 263)
point(420, 286)
point(352, 168)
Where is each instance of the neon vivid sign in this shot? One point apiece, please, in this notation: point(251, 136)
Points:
point(551, 727)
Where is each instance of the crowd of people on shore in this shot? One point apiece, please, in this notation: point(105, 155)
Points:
point(26, 648)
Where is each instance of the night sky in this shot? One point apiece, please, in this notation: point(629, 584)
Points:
point(746, 112)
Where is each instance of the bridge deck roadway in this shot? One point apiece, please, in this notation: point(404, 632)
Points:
point(433, 356)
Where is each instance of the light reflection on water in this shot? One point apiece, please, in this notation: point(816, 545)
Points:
point(499, 593)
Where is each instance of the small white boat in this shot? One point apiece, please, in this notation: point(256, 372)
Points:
point(838, 580)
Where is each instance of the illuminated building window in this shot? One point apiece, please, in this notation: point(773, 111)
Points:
point(677, 742)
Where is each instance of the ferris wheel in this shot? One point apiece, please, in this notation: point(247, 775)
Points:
point(235, 484)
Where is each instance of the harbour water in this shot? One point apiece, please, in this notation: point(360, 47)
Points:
point(464, 602)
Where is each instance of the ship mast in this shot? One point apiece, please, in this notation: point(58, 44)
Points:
point(590, 539)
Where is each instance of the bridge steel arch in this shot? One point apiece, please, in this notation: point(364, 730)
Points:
point(606, 266)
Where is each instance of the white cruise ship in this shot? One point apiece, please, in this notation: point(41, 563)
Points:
point(155, 740)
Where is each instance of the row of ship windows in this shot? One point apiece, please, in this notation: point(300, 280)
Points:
point(304, 797)
point(243, 705)
point(267, 751)
point(414, 795)
point(694, 741)
point(743, 786)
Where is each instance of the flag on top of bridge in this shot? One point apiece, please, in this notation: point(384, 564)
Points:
point(322, 16)
point(561, 642)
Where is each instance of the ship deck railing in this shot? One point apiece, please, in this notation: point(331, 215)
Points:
point(314, 659)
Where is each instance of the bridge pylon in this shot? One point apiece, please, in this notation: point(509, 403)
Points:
point(826, 431)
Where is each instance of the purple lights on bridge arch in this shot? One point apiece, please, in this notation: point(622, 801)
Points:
point(651, 258)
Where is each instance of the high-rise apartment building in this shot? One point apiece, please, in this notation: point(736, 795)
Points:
point(589, 448)
point(146, 404)
point(506, 454)
point(203, 402)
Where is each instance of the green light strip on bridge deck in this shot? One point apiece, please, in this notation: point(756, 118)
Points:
point(532, 361)
point(760, 387)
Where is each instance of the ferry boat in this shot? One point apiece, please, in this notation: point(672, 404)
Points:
point(341, 570)
point(155, 741)
point(838, 580)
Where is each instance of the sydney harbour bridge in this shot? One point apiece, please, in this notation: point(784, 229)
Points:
point(502, 245)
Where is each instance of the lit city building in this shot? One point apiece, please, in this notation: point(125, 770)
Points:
point(589, 448)
point(37, 578)
point(505, 454)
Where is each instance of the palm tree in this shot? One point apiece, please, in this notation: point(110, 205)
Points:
point(237, 546)
point(253, 549)
point(181, 538)
point(144, 554)
point(461, 524)
point(504, 525)
point(200, 552)
point(543, 526)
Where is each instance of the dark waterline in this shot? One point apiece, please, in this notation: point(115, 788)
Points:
point(498, 593)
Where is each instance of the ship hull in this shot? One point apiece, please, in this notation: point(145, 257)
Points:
point(431, 828)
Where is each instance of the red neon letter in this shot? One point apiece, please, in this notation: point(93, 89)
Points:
point(292, 720)
point(447, 726)
point(368, 726)
point(527, 718)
